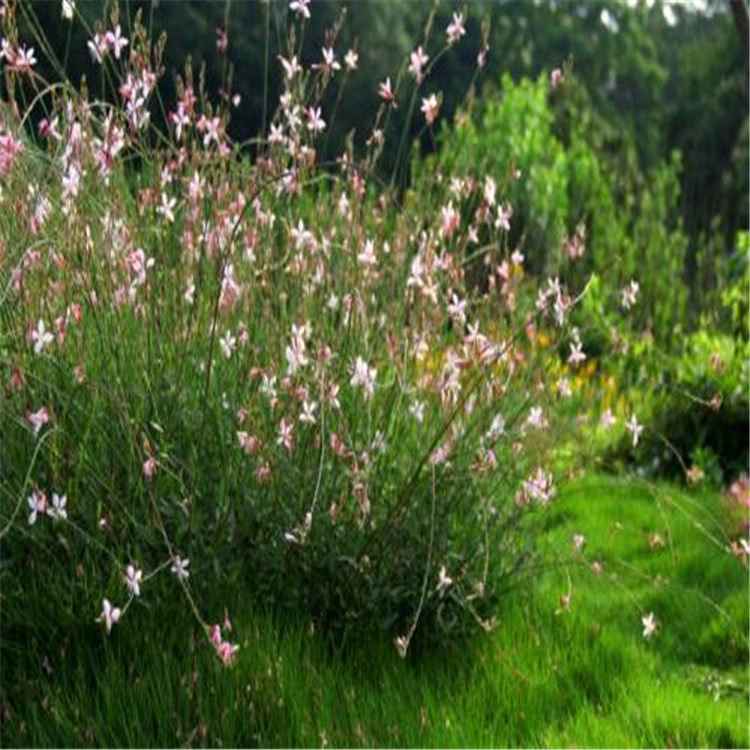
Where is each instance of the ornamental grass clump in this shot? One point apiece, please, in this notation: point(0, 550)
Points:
point(225, 365)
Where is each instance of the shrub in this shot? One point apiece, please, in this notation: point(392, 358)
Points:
point(697, 413)
point(581, 188)
point(269, 369)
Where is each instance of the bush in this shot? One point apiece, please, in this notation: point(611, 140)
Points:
point(575, 186)
point(267, 370)
point(698, 413)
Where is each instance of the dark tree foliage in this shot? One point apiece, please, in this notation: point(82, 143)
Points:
point(659, 86)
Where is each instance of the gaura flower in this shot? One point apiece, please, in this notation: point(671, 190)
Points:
point(110, 615)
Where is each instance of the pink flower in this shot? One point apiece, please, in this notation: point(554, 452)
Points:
point(286, 434)
point(556, 77)
point(215, 635)
point(37, 501)
point(227, 652)
point(224, 650)
point(538, 487)
point(222, 40)
point(9, 149)
point(330, 64)
point(430, 108)
point(740, 491)
point(455, 28)
point(386, 91)
point(363, 376)
point(291, 66)
point(417, 60)
point(249, 443)
point(22, 61)
point(98, 47)
point(149, 467)
point(115, 41)
point(38, 419)
point(451, 220)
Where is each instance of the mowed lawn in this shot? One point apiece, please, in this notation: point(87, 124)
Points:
point(545, 676)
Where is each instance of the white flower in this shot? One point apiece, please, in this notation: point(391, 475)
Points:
point(296, 354)
point(634, 429)
point(402, 644)
point(268, 387)
point(497, 428)
point(300, 7)
point(577, 355)
point(68, 9)
point(457, 309)
point(166, 209)
point(504, 215)
point(630, 295)
point(367, 257)
point(180, 568)
point(536, 418)
point(315, 122)
point(417, 411)
point(308, 412)
point(228, 344)
point(133, 577)
point(351, 60)
point(455, 28)
point(58, 510)
point(444, 581)
point(363, 376)
point(649, 625)
point(330, 62)
point(110, 615)
point(41, 337)
point(563, 388)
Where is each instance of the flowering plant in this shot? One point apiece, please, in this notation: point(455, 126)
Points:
point(278, 369)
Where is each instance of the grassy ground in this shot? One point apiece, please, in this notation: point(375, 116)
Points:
point(585, 677)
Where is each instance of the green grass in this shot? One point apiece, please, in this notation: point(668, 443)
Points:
point(584, 677)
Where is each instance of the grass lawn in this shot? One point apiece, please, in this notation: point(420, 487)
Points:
point(583, 677)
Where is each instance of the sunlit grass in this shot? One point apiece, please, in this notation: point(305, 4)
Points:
point(544, 677)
